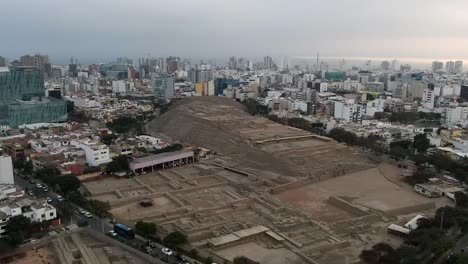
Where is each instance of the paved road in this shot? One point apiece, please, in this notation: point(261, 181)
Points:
point(98, 224)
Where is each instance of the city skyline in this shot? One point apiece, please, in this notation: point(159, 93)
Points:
point(102, 30)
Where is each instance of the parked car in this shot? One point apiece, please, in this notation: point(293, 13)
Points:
point(60, 198)
point(38, 185)
point(112, 233)
point(82, 223)
point(82, 211)
point(48, 199)
point(31, 193)
point(167, 252)
point(181, 258)
point(88, 214)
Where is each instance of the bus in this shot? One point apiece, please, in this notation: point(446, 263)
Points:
point(124, 231)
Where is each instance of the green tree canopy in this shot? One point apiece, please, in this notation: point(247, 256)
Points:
point(421, 142)
point(123, 124)
point(341, 135)
point(108, 139)
point(380, 254)
point(99, 208)
point(174, 239)
point(145, 229)
point(118, 164)
point(18, 229)
point(67, 183)
point(241, 260)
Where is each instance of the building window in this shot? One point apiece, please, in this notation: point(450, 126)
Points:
point(52, 214)
point(43, 216)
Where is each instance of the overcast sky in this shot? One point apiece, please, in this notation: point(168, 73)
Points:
point(429, 29)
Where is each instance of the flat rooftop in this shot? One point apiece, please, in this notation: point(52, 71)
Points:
point(161, 156)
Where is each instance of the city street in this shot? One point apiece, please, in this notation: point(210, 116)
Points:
point(96, 223)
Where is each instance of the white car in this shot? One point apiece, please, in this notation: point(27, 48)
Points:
point(167, 252)
point(48, 199)
point(82, 211)
point(60, 198)
point(112, 233)
point(88, 214)
point(38, 185)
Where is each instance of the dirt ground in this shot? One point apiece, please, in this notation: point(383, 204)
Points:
point(369, 188)
point(133, 210)
point(261, 254)
point(39, 256)
point(109, 184)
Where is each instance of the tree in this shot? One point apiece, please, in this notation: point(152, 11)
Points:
point(170, 148)
point(461, 199)
point(241, 260)
point(108, 138)
point(123, 124)
point(145, 229)
point(174, 239)
point(341, 135)
point(48, 174)
point(164, 108)
point(67, 183)
point(251, 105)
point(208, 260)
point(421, 175)
point(421, 142)
point(380, 253)
point(118, 164)
point(399, 152)
point(99, 208)
point(18, 229)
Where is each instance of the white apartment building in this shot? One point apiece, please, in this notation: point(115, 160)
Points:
point(351, 85)
point(85, 102)
point(96, 153)
point(348, 111)
point(6, 170)
point(122, 87)
point(452, 115)
point(323, 87)
point(428, 99)
point(36, 211)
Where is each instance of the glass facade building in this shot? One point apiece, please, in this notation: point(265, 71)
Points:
point(23, 101)
point(21, 84)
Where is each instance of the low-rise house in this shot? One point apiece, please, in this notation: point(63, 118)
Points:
point(427, 190)
point(96, 153)
point(36, 210)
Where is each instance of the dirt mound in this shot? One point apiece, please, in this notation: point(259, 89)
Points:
point(206, 122)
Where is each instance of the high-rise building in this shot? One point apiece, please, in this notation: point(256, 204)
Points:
point(36, 60)
point(163, 86)
point(437, 66)
point(450, 67)
point(458, 66)
point(268, 63)
point(21, 84)
point(172, 64)
point(385, 65)
point(405, 67)
point(3, 62)
point(23, 99)
point(464, 92)
point(395, 65)
point(199, 76)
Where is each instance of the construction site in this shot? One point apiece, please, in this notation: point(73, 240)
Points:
point(272, 193)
